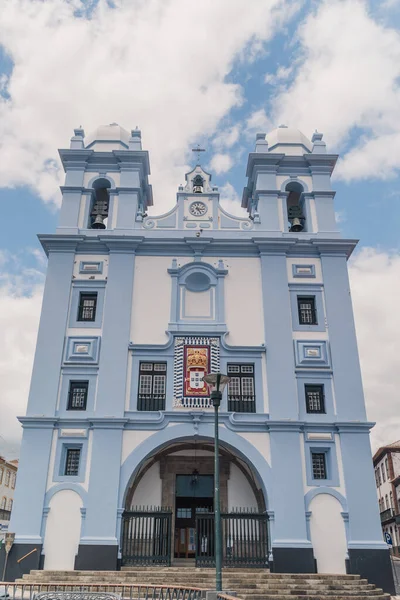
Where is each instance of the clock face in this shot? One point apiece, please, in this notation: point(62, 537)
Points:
point(198, 209)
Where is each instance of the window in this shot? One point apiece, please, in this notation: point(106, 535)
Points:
point(391, 500)
point(10, 504)
point(307, 311)
point(72, 459)
point(1, 475)
point(379, 476)
point(183, 513)
point(376, 478)
point(13, 480)
point(319, 465)
point(387, 468)
point(7, 480)
point(152, 386)
point(383, 473)
point(77, 396)
point(315, 400)
point(241, 390)
point(87, 306)
point(387, 501)
point(3, 503)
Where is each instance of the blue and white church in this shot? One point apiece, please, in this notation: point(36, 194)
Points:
point(116, 462)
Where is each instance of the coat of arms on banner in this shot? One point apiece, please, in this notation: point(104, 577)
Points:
point(196, 365)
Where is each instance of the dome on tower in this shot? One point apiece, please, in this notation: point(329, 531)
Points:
point(108, 137)
point(288, 141)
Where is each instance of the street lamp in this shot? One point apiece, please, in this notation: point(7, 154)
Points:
point(217, 383)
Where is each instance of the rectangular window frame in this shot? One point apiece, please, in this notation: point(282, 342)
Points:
point(331, 462)
point(154, 372)
point(319, 464)
point(82, 384)
point(71, 452)
point(87, 295)
point(63, 444)
point(310, 388)
point(240, 374)
point(87, 286)
point(307, 290)
point(314, 315)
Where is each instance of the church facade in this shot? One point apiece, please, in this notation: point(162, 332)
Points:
point(116, 463)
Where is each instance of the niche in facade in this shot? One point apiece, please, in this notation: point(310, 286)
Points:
point(197, 296)
point(295, 213)
point(100, 204)
point(198, 185)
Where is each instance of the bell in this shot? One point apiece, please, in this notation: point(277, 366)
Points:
point(197, 189)
point(98, 223)
point(296, 225)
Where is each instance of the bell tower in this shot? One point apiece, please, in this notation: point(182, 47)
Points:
point(289, 184)
point(106, 181)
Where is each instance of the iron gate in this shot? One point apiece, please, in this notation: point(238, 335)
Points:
point(146, 537)
point(244, 539)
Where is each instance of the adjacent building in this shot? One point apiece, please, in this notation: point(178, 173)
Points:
point(116, 462)
point(8, 477)
point(387, 477)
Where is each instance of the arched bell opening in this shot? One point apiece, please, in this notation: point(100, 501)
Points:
point(294, 202)
point(172, 493)
point(99, 204)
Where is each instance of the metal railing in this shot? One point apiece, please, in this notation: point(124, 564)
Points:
point(27, 591)
point(242, 404)
point(5, 514)
point(387, 514)
point(151, 402)
point(244, 539)
point(146, 537)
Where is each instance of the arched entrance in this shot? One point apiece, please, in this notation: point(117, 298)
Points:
point(169, 508)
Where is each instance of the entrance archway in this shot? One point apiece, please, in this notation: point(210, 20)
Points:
point(171, 491)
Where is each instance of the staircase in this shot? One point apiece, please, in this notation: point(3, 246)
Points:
point(249, 584)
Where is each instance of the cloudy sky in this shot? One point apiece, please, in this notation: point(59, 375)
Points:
point(212, 72)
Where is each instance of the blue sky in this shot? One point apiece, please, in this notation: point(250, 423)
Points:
point(213, 73)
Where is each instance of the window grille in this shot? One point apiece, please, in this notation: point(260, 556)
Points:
point(87, 306)
point(241, 388)
point(319, 465)
point(78, 393)
point(184, 513)
point(152, 386)
point(307, 311)
point(315, 400)
point(72, 460)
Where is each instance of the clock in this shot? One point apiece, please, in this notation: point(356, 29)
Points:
point(198, 209)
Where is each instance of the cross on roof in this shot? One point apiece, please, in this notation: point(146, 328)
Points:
point(198, 150)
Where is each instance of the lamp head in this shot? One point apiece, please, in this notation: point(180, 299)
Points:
point(217, 381)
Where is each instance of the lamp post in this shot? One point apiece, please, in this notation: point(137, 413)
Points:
point(217, 383)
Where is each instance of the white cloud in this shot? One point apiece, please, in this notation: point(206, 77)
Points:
point(221, 163)
point(20, 303)
point(347, 85)
point(282, 74)
point(152, 64)
point(258, 122)
point(230, 201)
point(226, 138)
point(375, 285)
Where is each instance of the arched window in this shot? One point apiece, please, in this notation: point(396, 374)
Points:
point(295, 206)
point(3, 503)
point(10, 504)
point(198, 184)
point(391, 500)
point(387, 501)
point(99, 204)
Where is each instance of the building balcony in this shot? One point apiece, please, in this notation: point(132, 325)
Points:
point(242, 404)
point(5, 514)
point(387, 514)
point(151, 402)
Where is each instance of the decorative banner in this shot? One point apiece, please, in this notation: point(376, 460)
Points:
point(196, 365)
